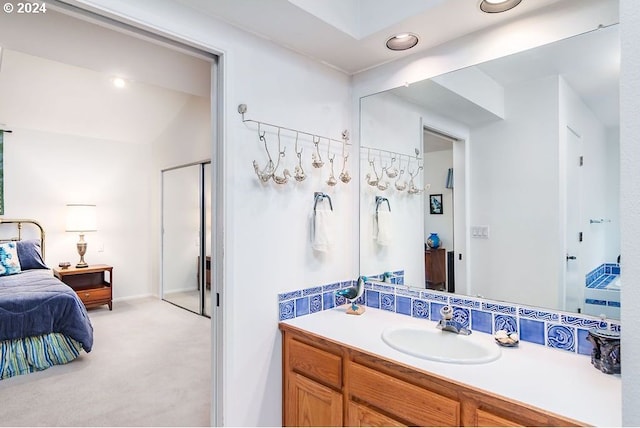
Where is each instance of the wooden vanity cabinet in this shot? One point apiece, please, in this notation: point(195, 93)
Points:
point(312, 387)
point(328, 384)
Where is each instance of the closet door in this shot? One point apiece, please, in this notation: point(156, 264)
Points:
point(206, 197)
point(181, 236)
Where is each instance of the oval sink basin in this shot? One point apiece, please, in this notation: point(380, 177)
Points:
point(437, 345)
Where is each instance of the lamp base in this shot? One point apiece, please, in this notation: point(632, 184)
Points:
point(82, 249)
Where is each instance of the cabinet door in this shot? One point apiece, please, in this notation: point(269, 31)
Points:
point(309, 403)
point(362, 416)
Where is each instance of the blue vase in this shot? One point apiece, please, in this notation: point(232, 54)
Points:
point(433, 241)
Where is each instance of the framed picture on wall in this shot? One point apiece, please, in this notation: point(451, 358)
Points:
point(435, 204)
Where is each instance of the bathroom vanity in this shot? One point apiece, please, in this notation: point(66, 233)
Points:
point(337, 371)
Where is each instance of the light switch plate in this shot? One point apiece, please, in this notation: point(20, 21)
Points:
point(480, 232)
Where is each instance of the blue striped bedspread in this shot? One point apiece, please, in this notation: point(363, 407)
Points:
point(35, 303)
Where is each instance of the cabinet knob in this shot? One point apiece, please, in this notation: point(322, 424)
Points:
point(86, 294)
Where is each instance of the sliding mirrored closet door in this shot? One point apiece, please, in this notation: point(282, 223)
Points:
point(186, 234)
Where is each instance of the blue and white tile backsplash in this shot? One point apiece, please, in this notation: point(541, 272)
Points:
point(602, 292)
point(559, 330)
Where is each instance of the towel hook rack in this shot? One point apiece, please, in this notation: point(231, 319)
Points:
point(380, 200)
point(318, 196)
point(242, 109)
point(390, 153)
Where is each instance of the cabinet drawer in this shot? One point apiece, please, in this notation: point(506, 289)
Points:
point(315, 363)
point(486, 419)
point(90, 295)
point(402, 400)
point(362, 416)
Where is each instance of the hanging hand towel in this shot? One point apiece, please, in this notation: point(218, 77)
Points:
point(385, 231)
point(322, 230)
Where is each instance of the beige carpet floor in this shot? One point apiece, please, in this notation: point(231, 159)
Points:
point(150, 366)
point(190, 300)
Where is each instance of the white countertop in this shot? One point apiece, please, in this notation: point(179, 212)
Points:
point(554, 380)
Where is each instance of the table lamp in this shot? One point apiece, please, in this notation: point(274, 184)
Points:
point(81, 218)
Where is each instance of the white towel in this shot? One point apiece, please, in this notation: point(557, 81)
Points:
point(385, 230)
point(322, 230)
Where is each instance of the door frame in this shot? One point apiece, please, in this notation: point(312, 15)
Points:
point(460, 201)
point(570, 245)
point(218, 57)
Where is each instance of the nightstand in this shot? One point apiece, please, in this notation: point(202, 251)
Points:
point(435, 268)
point(93, 284)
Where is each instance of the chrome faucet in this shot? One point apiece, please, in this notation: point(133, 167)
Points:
point(447, 323)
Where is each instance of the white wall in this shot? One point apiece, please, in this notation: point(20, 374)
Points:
point(392, 123)
point(517, 199)
point(186, 139)
point(600, 186)
point(612, 198)
point(389, 123)
point(630, 207)
point(44, 171)
point(436, 166)
point(266, 240)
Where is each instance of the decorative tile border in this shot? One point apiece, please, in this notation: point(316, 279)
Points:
point(601, 276)
point(554, 329)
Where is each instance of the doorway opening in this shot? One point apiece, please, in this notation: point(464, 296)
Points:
point(83, 28)
point(444, 214)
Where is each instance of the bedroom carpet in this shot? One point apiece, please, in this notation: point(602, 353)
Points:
point(150, 366)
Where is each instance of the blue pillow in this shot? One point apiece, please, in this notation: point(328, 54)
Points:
point(9, 261)
point(30, 255)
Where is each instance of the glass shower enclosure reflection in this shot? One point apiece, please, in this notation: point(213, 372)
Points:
point(186, 235)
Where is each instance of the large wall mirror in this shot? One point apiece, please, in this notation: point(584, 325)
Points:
point(514, 164)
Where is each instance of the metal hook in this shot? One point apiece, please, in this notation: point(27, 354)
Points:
point(332, 179)
point(285, 147)
point(344, 174)
point(298, 153)
point(317, 159)
point(261, 137)
point(401, 186)
point(392, 171)
point(269, 168)
point(382, 185)
point(280, 179)
point(298, 172)
point(412, 186)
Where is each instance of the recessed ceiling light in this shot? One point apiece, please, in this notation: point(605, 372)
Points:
point(402, 42)
point(496, 6)
point(119, 82)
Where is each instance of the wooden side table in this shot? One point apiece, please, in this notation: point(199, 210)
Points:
point(435, 268)
point(93, 284)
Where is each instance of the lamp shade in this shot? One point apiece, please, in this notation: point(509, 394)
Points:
point(81, 218)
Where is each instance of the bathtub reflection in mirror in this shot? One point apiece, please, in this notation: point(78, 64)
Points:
point(523, 154)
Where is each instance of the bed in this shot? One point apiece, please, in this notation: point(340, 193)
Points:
point(42, 321)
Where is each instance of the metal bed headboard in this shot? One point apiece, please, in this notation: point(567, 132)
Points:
point(18, 222)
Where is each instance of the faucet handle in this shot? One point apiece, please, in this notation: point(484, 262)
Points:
point(446, 312)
